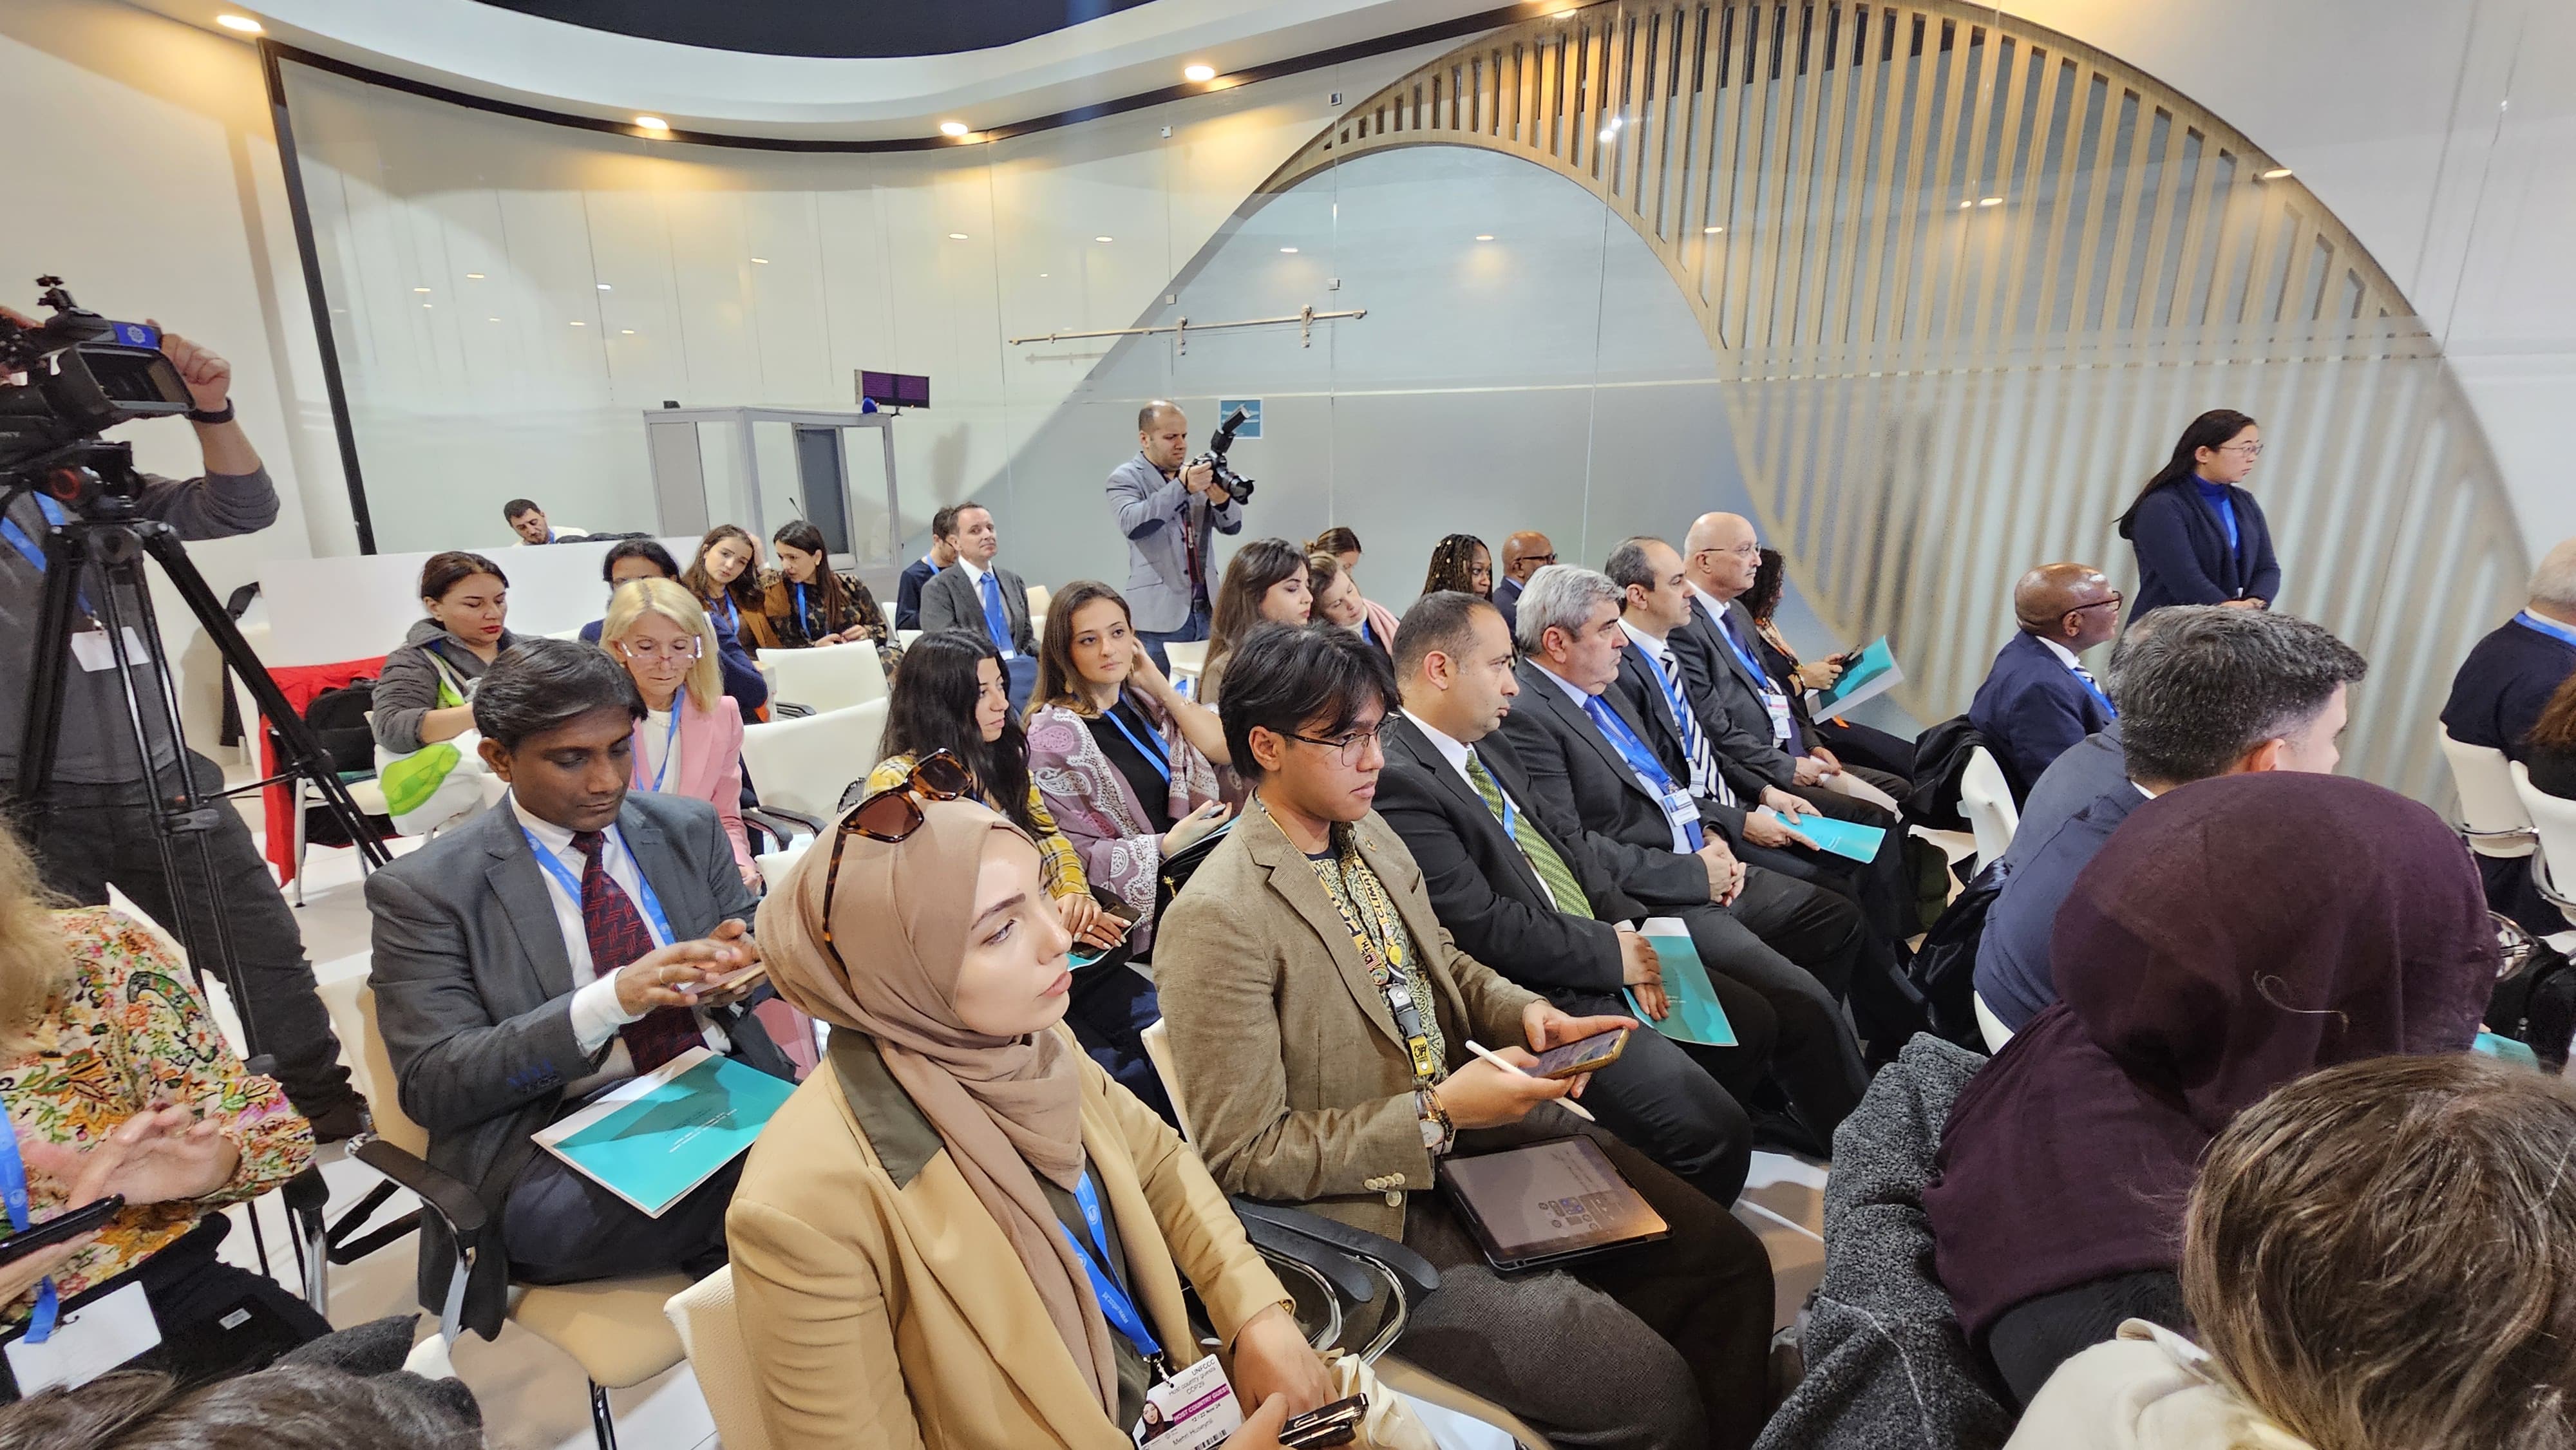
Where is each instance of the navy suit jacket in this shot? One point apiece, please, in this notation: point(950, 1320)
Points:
point(2076, 806)
point(2503, 685)
point(1507, 598)
point(2183, 556)
point(907, 593)
point(2033, 708)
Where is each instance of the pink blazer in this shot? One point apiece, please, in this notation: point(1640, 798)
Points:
point(707, 765)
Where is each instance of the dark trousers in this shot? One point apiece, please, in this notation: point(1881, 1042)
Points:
point(1797, 947)
point(1872, 754)
point(562, 1228)
point(216, 1320)
point(1192, 630)
point(1879, 886)
point(2511, 892)
point(1682, 1104)
point(1651, 1347)
point(96, 836)
point(2031, 1339)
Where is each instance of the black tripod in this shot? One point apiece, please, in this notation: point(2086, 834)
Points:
point(103, 529)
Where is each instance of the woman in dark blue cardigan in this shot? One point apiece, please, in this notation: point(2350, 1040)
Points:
point(2201, 538)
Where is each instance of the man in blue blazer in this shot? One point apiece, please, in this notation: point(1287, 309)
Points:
point(2497, 697)
point(2038, 700)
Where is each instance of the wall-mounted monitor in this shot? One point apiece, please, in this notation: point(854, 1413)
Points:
point(894, 390)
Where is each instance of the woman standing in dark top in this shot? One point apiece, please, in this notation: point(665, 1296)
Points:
point(2552, 756)
point(2201, 538)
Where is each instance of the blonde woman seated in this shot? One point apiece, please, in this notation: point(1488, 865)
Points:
point(118, 1082)
point(2380, 1256)
point(1122, 760)
point(914, 1259)
point(690, 739)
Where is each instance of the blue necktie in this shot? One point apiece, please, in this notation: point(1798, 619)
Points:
point(996, 622)
point(2086, 676)
point(1640, 760)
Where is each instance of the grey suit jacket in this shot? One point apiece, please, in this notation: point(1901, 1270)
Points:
point(1729, 703)
point(1583, 792)
point(474, 997)
point(1154, 513)
point(949, 601)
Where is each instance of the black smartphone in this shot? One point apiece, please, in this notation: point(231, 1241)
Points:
point(68, 1225)
point(1335, 1424)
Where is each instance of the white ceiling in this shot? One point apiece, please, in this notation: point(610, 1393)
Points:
point(501, 54)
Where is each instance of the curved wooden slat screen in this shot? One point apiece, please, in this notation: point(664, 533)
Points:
point(1965, 279)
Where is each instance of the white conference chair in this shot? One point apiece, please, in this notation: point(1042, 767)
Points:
point(1986, 800)
point(2491, 810)
point(703, 1313)
point(801, 766)
point(825, 678)
point(2553, 818)
point(1189, 661)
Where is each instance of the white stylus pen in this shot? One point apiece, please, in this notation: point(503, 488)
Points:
point(1567, 1103)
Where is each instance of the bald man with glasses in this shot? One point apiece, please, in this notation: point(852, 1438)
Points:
point(2039, 700)
point(1524, 554)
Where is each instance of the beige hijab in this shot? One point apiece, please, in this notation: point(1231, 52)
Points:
point(1004, 1105)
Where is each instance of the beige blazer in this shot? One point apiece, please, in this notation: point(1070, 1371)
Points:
point(1299, 1087)
point(883, 1306)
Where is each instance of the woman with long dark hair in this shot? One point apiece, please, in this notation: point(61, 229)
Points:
point(1884, 760)
point(805, 601)
point(722, 577)
point(2201, 537)
point(1265, 582)
point(1462, 563)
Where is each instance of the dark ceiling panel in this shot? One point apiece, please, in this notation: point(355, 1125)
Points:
point(832, 28)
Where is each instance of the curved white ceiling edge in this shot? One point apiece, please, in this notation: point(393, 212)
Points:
point(501, 54)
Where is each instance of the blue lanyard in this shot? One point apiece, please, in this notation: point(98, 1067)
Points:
point(1115, 1306)
point(2086, 681)
point(670, 747)
point(2563, 633)
point(1640, 759)
point(725, 611)
point(1743, 652)
point(1148, 747)
point(13, 1185)
point(571, 884)
point(35, 554)
point(801, 623)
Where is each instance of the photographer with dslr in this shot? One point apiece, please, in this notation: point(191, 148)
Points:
point(96, 826)
point(1168, 510)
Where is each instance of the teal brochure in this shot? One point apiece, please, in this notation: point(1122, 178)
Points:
point(1696, 1015)
point(651, 1140)
point(1872, 672)
point(1843, 838)
point(2507, 1049)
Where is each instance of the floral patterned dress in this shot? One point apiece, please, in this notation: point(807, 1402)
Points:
point(128, 1031)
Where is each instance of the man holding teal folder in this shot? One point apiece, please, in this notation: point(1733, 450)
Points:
point(1541, 912)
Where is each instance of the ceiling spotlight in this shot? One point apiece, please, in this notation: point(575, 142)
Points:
point(581, 324)
point(1292, 251)
point(1711, 231)
point(427, 305)
point(1484, 236)
point(420, 289)
point(1990, 201)
point(627, 331)
point(2276, 173)
point(1610, 133)
point(652, 123)
point(1042, 276)
point(604, 287)
point(242, 23)
point(952, 128)
point(473, 276)
point(956, 236)
point(1963, 206)
point(1198, 72)
point(1104, 239)
point(491, 319)
point(760, 261)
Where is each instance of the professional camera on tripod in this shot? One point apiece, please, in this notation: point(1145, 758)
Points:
point(1221, 444)
point(81, 521)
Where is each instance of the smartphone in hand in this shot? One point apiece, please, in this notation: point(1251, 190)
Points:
point(1577, 1058)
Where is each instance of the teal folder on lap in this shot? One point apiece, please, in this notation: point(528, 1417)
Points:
point(1696, 1015)
point(1871, 673)
point(1843, 838)
point(651, 1140)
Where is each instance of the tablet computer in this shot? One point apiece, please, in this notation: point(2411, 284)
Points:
point(1546, 1202)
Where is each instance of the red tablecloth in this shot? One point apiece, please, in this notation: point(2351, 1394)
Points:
point(301, 684)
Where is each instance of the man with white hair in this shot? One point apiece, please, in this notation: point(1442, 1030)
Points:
point(2497, 696)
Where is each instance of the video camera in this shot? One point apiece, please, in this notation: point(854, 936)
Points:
point(85, 374)
point(1218, 446)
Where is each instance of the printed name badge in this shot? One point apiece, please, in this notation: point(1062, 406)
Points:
point(1679, 809)
point(1193, 1410)
point(90, 1341)
point(1778, 705)
point(90, 647)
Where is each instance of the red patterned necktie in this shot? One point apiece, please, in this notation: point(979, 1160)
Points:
point(617, 937)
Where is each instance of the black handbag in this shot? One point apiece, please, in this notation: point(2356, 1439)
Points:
point(2535, 1000)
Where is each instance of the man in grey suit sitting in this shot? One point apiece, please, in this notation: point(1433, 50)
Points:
point(1169, 509)
point(980, 598)
point(549, 949)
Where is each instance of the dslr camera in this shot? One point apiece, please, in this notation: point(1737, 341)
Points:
point(84, 374)
point(1234, 483)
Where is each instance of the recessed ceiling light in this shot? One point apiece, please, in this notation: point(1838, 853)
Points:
point(491, 319)
point(420, 289)
point(1290, 250)
point(627, 331)
point(956, 236)
point(1610, 133)
point(473, 276)
point(242, 23)
point(1104, 239)
point(652, 123)
point(604, 287)
point(1484, 236)
point(1963, 206)
point(427, 305)
point(2276, 173)
point(581, 324)
point(760, 261)
point(1042, 274)
point(1990, 201)
point(1198, 72)
point(952, 128)
point(1711, 231)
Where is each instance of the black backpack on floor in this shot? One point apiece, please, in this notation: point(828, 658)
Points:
point(1945, 966)
point(2535, 1002)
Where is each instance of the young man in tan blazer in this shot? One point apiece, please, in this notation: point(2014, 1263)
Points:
point(1295, 974)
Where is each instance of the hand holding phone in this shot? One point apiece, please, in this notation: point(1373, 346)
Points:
point(1335, 1424)
point(70, 1224)
point(1574, 1059)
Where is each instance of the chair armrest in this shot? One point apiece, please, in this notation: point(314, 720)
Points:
point(1414, 1272)
point(447, 1197)
point(776, 819)
point(1344, 1274)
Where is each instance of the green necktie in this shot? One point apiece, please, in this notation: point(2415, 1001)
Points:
point(1551, 867)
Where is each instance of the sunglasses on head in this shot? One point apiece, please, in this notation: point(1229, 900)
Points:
point(891, 815)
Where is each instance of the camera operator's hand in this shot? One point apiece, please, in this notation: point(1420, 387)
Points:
point(1197, 476)
point(209, 377)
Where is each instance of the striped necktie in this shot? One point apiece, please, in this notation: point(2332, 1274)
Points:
point(1552, 871)
point(1706, 780)
point(2095, 686)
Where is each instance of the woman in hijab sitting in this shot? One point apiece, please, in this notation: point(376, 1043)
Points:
point(2234, 935)
point(962, 1234)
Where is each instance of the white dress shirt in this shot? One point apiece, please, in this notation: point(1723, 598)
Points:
point(975, 576)
point(596, 1015)
point(2064, 655)
point(1457, 755)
